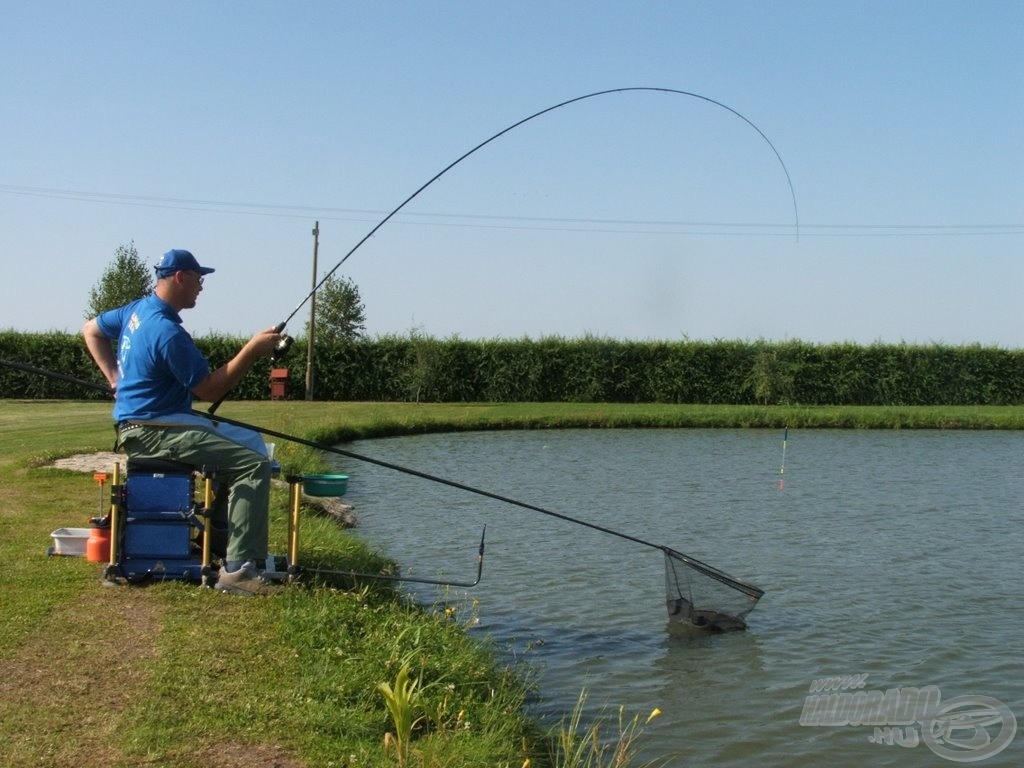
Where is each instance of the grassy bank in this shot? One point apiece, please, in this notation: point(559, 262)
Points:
point(348, 421)
point(172, 675)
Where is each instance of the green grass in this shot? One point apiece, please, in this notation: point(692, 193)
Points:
point(174, 675)
point(327, 422)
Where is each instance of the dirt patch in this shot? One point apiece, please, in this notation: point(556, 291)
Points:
point(91, 462)
point(82, 673)
point(83, 664)
point(245, 756)
point(70, 686)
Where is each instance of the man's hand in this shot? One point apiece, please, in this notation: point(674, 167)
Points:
point(264, 343)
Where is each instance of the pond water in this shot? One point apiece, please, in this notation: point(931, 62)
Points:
point(893, 556)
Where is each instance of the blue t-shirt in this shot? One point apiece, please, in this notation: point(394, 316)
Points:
point(158, 363)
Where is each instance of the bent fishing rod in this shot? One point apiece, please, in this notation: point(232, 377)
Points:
point(668, 551)
point(513, 126)
point(457, 161)
point(287, 340)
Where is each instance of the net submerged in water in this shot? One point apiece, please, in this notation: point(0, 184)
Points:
point(702, 596)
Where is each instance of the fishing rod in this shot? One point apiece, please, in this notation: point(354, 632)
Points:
point(427, 476)
point(347, 454)
point(286, 341)
point(796, 217)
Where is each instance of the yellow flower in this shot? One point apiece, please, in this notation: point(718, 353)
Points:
point(654, 713)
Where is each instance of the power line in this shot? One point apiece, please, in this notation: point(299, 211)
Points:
point(536, 223)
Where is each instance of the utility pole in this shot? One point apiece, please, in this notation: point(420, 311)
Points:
point(312, 317)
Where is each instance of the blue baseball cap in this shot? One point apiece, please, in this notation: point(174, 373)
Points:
point(178, 260)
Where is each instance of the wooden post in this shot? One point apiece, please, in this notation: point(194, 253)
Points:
point(312, 317)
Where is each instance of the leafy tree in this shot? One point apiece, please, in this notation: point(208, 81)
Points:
point(125, 279)
point(339, 313)
point(770, 378)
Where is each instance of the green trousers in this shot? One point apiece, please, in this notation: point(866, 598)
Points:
point(242, 505)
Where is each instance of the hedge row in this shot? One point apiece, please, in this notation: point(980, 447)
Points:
point(580, 370)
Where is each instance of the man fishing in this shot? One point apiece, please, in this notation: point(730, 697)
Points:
point(156, 373)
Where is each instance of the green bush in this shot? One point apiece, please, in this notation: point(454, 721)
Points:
point(418, 368)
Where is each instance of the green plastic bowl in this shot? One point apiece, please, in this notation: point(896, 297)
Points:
point(325, 485)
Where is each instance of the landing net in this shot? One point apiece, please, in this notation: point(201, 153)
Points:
point(702, 596)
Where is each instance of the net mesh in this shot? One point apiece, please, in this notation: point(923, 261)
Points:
point(702, 596)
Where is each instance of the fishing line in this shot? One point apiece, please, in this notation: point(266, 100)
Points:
point(482, 144)
point(341, 452)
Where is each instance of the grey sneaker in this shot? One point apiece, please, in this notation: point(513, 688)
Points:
point(247, 580)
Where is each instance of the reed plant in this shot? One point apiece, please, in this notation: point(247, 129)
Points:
point(579, 745)
point(402, 701)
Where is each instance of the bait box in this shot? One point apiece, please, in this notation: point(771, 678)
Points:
point(325, 485)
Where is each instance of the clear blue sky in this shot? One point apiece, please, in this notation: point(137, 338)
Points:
point(228, 128)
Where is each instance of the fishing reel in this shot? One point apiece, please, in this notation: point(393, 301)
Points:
point(282, 347)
